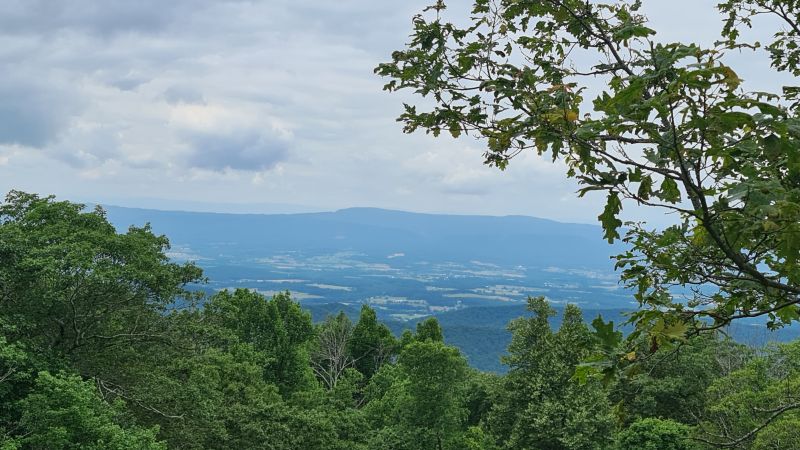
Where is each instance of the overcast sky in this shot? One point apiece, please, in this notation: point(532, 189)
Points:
point(200, 104)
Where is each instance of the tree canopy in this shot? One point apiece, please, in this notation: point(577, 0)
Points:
point(106, 343)
point(668, 125)
point(235, 369)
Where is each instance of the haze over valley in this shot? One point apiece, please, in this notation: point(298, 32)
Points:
point(474, 273)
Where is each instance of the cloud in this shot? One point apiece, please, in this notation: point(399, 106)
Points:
point(175, 95)
point(271, 101)
point(34, 112)
point(454, 167)
point(102, 18)
point(247, 149)
point(128, 82)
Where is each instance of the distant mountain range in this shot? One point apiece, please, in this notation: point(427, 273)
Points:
point(509, 240)
point(473, 273)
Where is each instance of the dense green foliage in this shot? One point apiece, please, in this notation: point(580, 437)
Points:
point(671, 126)
point(655, 434)
point(140, 363)
point(668, 125)
point(106, 344)
point(539, 404)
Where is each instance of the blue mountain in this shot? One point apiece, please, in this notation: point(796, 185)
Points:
point(509, 240)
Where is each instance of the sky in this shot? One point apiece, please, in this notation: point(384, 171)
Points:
point(248, 106)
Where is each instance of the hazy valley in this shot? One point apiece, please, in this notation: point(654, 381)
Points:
point(474, 273)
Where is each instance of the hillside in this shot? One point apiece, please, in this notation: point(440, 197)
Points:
point(507, 240)
point(482, 336)
point(471, 272)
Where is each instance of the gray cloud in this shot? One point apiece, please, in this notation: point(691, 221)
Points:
point(103, 18)
point(175, 95)
point(197, 99)
point(33, 113)
point(252, 150)
point(128, 82)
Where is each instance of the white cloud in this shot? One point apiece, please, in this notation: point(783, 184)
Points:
point(243, 101)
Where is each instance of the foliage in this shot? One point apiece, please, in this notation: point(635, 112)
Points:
point(424, 406)
point(239, 370)
point(73, 286)
point(779, 435)
point(429, 330)
point(755, 403)
point(209, 399)
point(539, 404)
point(65, 412)
point(672, 128)
point(660, 387)
point(278, 327)
point(372, 343)
point(655, 434)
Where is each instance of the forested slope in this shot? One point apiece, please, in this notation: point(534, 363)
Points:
point(97, 353)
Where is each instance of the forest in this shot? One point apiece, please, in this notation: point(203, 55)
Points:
point(107, 343)
point(104, 345)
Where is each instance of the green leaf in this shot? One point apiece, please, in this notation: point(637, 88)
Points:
point(732, 120)
point(645, 187)
point(609, 219)
point(669, 191)
point(605, 333)
point(455, 129)
point(633, 30)
point(676, 330)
